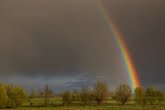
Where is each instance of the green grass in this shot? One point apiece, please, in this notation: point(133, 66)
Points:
point(56, 104)
point(95, 108)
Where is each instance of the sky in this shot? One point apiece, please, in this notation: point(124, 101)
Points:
point(68, 43)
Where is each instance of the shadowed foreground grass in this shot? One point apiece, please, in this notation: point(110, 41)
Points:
point(56, 104)
point(97, 108)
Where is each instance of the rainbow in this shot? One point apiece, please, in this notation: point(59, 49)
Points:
point(127, 60)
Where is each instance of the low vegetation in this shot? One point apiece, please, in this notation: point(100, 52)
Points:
point(86, 98)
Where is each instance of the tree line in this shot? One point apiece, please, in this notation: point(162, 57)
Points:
point(123, 93)
point(14, 96)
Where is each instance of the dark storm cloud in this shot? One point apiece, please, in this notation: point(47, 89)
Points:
point(48, 39)
point(142, 23)
point(54, 38)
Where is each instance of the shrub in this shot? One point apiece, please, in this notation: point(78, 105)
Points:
point(3, 96)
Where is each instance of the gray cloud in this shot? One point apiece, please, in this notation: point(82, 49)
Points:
point(42, 40)
point(142, 25)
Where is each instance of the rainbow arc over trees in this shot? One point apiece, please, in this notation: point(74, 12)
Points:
point(127, 60)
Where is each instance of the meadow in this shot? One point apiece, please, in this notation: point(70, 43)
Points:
point(96, 108)
point(56, 104)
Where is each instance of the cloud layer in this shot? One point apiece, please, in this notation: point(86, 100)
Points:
point(50, 39)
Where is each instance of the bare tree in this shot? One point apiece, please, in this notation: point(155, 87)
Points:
point(150, 95)
point(153, 96)
point(139, 96)
point(76, 95)
point(160, 96)
point(100, 92)
point(122, 94)
point(67, 98)
point(84, 95)
point(46, 95)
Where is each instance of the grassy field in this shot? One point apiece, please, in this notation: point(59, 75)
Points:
point(95, 108)
point(56, 104)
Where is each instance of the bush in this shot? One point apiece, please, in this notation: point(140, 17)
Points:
point(3, 96)
point(16, 96)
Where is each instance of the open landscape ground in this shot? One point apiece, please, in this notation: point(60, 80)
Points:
point(56, 104)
